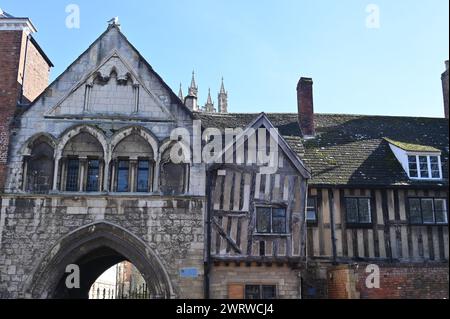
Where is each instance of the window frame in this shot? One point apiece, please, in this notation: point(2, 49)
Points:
point(88, 168)
point(271, 232)
point(316, 207)
point(422, 223)
point(118, 169)
point(150, 173)
point(429, 169)
point(260, 288)
point(358, 224)
point(77, 184)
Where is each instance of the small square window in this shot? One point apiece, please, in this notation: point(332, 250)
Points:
point(440, 211)
point(427, 211)
point(358, 210)
point(271, 220)
point(311, 210)
point(269, 292)
point(412, 164)
point(252, 292)
point(423, 165)
point(415, 215)
point(434, 165)
point(260, 292)
point(279, 220)
point(263, 220)
point(352, 210)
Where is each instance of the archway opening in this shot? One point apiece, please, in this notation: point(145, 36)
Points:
point(86, 254)
point(121, 281)
point(105, 274)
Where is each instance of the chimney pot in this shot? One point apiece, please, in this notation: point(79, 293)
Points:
point(305, 106)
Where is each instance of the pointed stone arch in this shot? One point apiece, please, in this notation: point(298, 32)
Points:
point(141, 131)
point(37, 156)
point(28, 145)
point(48, 276)
point(75, 130)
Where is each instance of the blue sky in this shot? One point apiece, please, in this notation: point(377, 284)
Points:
point(262, 47)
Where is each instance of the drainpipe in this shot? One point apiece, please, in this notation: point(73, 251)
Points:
point(24, 69)
point(333, 230)
point(207, 264)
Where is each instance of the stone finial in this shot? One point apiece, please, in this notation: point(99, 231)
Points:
point(180, 93)
point(193, 89)
point(223, 99)
point(209, 106)
point(114, 22)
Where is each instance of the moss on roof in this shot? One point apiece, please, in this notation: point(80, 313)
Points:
point(351, 149)
point(412, 147)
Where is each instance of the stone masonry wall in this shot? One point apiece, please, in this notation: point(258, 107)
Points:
point(31, 226)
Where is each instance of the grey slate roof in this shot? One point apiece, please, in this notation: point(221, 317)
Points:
point(351, 149)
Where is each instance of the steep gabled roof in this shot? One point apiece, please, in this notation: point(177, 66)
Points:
point(262, 121)
point(351, 149)
point(174, 98)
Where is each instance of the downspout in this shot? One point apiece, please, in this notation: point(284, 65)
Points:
point(305, 240)
point(333, 230)
point(24, 69)
point(207, 264)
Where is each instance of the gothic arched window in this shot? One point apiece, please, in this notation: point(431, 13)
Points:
point(82, 164)
point(173, 176)
point(38, 168)
point(132, 165)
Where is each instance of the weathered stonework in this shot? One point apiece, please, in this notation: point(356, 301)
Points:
point(89, 180)
point(34, 228)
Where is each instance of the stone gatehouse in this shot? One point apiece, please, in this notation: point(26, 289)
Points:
point(87, 177)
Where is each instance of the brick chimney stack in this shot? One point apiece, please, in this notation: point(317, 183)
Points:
point(445, 89)
point(305, 107)
point(24, 73)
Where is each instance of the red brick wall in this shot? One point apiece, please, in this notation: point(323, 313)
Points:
point(12, 59)
point(400, 281)
point(10, 51)
point(37, 73)
point(413, 281)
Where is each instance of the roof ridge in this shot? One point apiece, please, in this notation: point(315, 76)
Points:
point(326, 114)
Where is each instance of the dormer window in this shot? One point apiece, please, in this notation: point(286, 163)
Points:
point(418, 161)
point(424, 166)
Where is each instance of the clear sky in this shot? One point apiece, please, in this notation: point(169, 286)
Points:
point(262, 47)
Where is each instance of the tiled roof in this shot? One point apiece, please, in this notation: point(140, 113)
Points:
point(351, 149)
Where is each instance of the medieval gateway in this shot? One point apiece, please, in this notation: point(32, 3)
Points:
point(87, 179)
